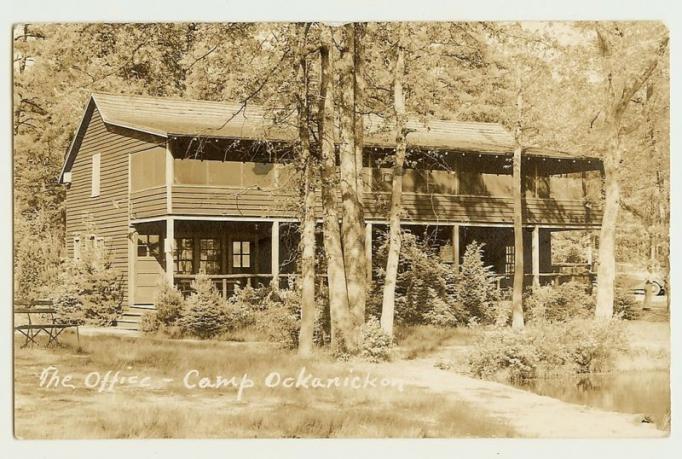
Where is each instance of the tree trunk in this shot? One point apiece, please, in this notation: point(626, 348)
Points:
point(517, 289)
point(336, 276)
point(388, 305)
point(305, 337)
point(616, 107)
point(360, 85)
point(352, 223)
point(305, 347)
point(606, 273)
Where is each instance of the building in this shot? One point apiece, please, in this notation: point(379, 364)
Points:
point(173, 187)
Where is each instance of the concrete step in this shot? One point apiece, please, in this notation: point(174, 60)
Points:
point(126, 325)
point(133, 312)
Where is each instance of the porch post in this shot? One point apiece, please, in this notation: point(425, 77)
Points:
point(169, 177)
point(132, 257)
point(168, 249)
point(275, 254)
point(455, 246)
point(535, 247)
point(368, 250)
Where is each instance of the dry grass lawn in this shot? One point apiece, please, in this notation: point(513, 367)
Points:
point(167, 409)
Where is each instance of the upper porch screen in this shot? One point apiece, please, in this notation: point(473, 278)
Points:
point(147, 169)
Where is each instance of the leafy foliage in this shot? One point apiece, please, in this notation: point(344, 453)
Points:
point(170, 305)
point(430, 292)
point(89, 291)
point(625, 305)
point(475, 286)
point(376, 344)
point(559, 303)
point(542, 349)
point(206, 315)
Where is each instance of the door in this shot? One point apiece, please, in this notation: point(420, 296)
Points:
point(149, 269)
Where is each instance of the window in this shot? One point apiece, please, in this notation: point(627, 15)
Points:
point(147, 169)
point(241, 254)
point(76, 248)
point(149, 245)
point(210, 256)
point(94, 242)
point(96, 160)
point(509, 259)
point(184, 255)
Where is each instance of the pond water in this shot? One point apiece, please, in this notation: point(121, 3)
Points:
point(646, 392)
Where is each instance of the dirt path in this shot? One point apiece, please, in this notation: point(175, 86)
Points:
point(529, 414)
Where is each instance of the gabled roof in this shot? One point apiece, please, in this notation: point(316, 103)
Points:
point(173, 117)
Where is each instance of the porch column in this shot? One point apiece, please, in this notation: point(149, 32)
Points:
point(368, 250)
point(455, 246)
point(169, 176)
point(274, 263)
point(132, 257)
point(535, 250)
point(168, 245)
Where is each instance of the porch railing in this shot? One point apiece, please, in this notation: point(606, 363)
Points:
point(504, 282)
point(225, 283)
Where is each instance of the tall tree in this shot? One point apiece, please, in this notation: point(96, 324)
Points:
point(336, 272)
point(517, 288)
point(619, 87)
point(305, 341)
point(350, 154)
point(390, 279)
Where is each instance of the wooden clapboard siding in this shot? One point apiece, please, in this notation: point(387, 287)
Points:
point(108, 212)
point(205, 200)
point(483, 209)
point(148, 203)
point(216, 201)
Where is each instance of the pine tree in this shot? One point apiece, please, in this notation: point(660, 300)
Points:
point(475, 285)
point(206, 314)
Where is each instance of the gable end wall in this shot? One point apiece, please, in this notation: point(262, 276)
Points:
point(109, 210)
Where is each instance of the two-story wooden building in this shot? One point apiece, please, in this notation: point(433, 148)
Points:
point(175, 187)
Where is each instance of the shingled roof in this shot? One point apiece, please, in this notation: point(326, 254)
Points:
point(174, 117)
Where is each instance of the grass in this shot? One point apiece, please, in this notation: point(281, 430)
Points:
point(169, 410)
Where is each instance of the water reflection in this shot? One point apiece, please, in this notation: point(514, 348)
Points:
point(646, 393)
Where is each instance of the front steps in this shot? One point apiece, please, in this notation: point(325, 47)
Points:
point(130, 319)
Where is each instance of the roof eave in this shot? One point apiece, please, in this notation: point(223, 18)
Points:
point(72, 146)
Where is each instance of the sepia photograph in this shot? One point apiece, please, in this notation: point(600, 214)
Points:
point(361, 229)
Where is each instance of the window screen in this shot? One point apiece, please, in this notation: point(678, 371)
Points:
point(184, 256)
point(210, 256)
point(241, 254)
point(96, 160)
point(149, 245)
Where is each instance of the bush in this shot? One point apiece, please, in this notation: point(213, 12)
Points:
point(625, 305)
point(422, 283)
point(92, 286)
point(430, 292)
point(376, 344)
point(505, 354)
point(279, 317)
point(149, 322)
point(441, 313)
point(475, 288)
point(559, 303)
point(68, 304)
point(593, 344)
point(37, 262)
point(170, 305)
point(542, 349)
point(206, 315)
